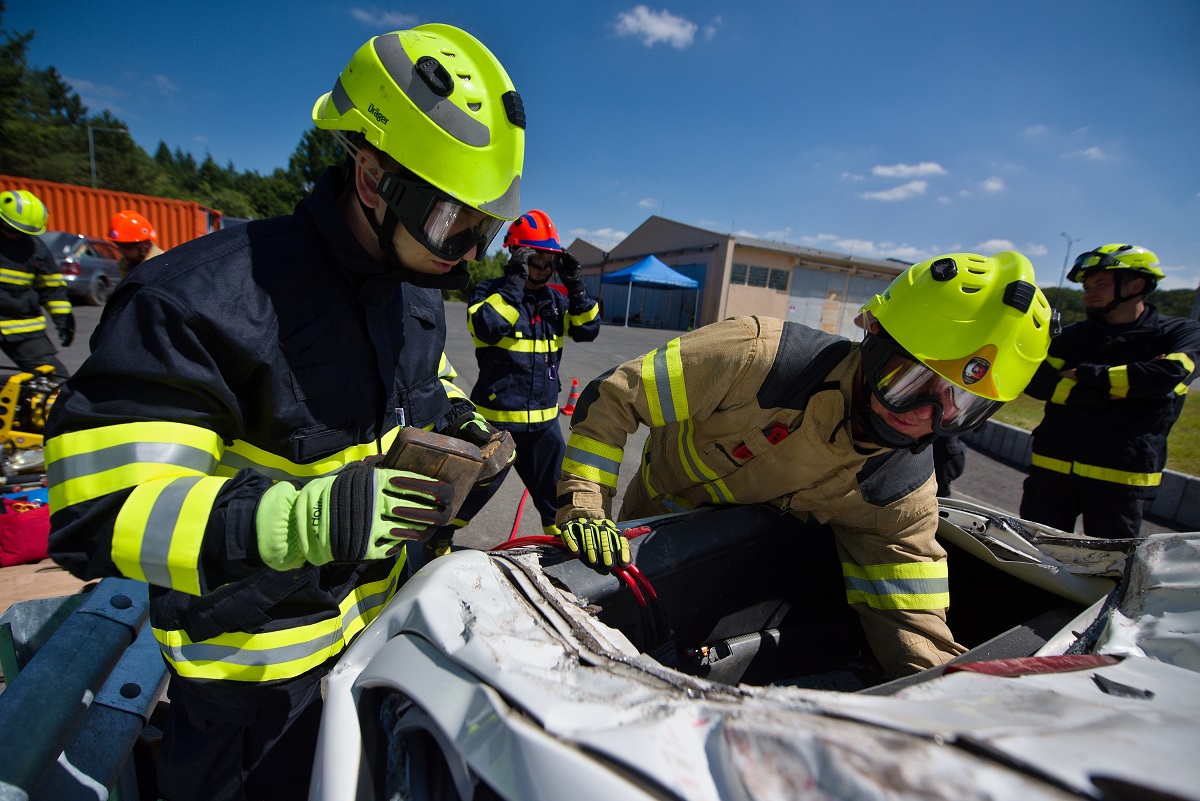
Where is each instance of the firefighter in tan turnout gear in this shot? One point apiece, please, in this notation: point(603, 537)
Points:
point(755, 409)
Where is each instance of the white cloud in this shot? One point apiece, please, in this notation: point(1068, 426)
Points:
point(653, 27)
point(922, 170)
point(648, 203)
point(993, 246)
point(1035, 250)
point(165, 85)
point(1036, 130)
point(710, 30)
point(902, 192)
point(603, 238)
point(391, 20)
point(850, 176)
point(1091, 154)
point(868, 249)
point(993, 184)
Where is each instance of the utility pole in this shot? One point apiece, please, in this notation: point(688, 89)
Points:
point(1066, 259)
point(92, 147)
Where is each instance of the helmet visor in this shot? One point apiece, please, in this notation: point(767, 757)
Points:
point(902, 384)
point(443, 225)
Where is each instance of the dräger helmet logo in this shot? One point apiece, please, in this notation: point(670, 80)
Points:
point(976, 369)
point(377, 114)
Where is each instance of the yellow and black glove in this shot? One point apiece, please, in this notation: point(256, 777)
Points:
point(358, 514)
point(597, 542)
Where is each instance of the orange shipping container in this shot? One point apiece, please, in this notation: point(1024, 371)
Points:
point(83, 210)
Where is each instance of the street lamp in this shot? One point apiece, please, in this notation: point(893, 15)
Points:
point(92, 147)
point(1066, 259)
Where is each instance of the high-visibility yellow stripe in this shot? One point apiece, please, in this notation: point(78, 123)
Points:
point(242, 455)
point(1189, 367)
point(1112, 476)
point(1062, 389)
point(593, 460)
point(1123, 477)
point(518, 344)
point(1118, 380)
point(18, 277)
point(518, 415)
point(84, 465)
point(1055, 362)
point(666, 391)
point(49, 281)
point(284, 654)
point(26, 326)
point(505, 309)
point(904, 585)
point(1049, 463)
point(697, 470)
point(160, 528)
point(583, 318)
point(59, 306)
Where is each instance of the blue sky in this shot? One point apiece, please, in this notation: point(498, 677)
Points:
point(878, 127)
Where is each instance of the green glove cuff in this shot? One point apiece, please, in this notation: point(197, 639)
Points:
point(360, 513)
point(291, 526)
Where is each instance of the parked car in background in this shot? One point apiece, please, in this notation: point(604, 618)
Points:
point(87, 264)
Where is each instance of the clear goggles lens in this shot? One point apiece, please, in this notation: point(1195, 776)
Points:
point(446, 227)
point(902, 384)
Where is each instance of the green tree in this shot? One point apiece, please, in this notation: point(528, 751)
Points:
point(317, 150)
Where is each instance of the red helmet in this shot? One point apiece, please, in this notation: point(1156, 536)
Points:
point(533, 229)
point(129, 226)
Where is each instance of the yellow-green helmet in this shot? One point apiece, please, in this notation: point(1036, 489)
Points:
point(22, 210)
point(980, 322)
point(437, 101)
point(1118, 256)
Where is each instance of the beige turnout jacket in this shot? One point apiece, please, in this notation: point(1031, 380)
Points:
point(714, 400)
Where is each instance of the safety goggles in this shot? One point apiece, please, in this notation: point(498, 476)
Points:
point(902, 384)
point(446, 227)
point(1094, 260)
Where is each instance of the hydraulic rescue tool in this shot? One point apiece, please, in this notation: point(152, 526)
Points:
point(459, 463)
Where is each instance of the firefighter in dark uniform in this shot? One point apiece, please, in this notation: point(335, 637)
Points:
point(219, 441)
point(29, 280)
point(758, 410)
point(519, 323)
point(1114, 384)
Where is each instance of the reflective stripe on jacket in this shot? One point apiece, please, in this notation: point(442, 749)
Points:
point(29, 280)
point(1110, 424)
point(518, 338)
point(752, 410)
point(278, 350)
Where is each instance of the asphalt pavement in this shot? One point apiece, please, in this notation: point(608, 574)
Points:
point(986, 481)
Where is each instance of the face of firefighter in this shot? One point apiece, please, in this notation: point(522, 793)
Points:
point(541, 267)
point(134, 252)
point(1099, 289)
point(412, 254)
point(417, 257)
point(915, 423)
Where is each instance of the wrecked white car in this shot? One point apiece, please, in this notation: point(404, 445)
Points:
point(520, 674)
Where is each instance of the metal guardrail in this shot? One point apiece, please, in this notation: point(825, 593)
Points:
point(71, 716)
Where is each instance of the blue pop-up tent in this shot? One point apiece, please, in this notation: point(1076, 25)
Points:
point(651, 272)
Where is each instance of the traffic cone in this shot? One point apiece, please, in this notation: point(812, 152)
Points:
point(569, 409)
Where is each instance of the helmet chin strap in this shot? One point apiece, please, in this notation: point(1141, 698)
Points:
point(385, 232)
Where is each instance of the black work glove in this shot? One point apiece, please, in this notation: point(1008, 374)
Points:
point(473, 428)
point(517, 269)
point(65, 323)
point(568, 272)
